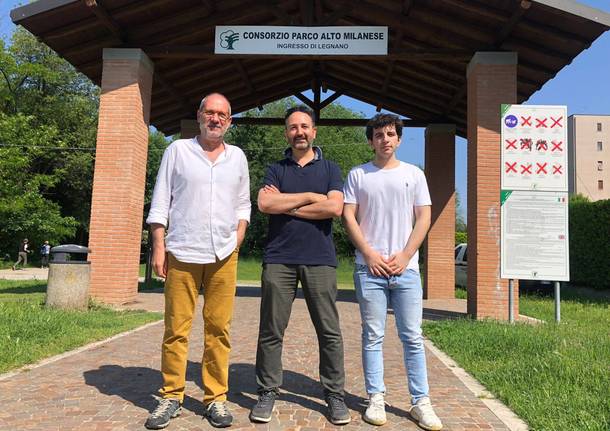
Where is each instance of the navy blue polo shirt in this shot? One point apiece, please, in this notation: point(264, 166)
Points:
point(294, 240)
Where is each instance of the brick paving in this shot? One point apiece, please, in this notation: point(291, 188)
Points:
point(110, 386)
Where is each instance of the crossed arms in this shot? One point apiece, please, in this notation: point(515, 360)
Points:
point(308, 205)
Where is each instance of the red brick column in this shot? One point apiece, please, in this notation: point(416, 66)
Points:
point(120, 173)
point(189, 128)
point(492, 80)
point(439, 273)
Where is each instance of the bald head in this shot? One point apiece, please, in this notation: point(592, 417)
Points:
point(215, 96)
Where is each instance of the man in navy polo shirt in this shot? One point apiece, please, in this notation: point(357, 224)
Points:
point(302, 193)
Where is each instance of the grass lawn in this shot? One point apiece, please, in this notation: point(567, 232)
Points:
point(30, 332)
point(554, 376)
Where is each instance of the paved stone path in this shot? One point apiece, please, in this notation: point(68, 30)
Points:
point(110, 386)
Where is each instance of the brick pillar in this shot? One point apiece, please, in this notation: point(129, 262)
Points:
point(439, 273)
point(120, 173)
point(189, 128)
point(492, 80)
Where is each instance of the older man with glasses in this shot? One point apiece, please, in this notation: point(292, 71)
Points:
point(202, 195)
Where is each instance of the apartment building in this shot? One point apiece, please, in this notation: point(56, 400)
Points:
point(589, 155)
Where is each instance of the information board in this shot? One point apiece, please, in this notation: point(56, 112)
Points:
point(534, 148)
point(534, 240)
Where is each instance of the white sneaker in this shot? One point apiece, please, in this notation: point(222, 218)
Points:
point(424, 414)
point(375, 412)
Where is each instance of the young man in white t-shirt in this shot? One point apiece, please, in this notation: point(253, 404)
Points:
point(387, 216)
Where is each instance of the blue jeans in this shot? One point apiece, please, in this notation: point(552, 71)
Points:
point(404, 295)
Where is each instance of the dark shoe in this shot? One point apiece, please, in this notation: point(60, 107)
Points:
point(263, 410)
point(167, 409)
point(218, 415)
point(338, 413)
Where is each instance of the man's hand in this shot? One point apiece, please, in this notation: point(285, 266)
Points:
point(377, 264)
point(159, 262)
point(398, 263)
point(159, 257)
point(270, 189)
point(241, 232)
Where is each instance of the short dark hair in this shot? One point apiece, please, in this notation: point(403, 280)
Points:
point(382, 120)
point(300, 108)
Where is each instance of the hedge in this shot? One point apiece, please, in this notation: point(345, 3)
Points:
point(590, 243)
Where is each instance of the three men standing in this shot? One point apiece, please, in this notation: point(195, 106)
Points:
point(302, 193)
point(202, 195)
point(381, 199)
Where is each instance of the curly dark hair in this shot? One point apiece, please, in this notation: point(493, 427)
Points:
point(382, 120)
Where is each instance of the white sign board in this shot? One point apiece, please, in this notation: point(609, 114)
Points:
point(534, 148)
point(241, 39)
point(534, 241)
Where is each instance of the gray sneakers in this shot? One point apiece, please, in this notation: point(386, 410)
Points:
point(263, 410)
point(338, 414)
point(218, 415)
point(167, 409)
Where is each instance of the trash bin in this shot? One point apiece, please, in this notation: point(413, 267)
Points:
point(69, 275)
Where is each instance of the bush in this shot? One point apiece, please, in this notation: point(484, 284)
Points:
point(460, 237)
point(590, 243)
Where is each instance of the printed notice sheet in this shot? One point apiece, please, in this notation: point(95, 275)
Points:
point(534, 241)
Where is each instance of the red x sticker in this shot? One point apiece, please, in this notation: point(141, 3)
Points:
point(557, 169)
point(556, 146)
point(556, 122)
point(526, 169)
point(511, 167)
point(526, 121)
point(541, 122)
point(511, 143)
point(541, 168)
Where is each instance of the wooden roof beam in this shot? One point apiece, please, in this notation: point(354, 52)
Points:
point(406, 7)
point(330, 99)
point(82, 25)
point(207, 51)
point(344, 8)
point(508, 27)
point(399, 106)
point(304, 99)
point(105, 18)
point(307, 12)
point(274, 7)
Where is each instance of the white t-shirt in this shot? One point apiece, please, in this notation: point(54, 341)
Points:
point(386, 199)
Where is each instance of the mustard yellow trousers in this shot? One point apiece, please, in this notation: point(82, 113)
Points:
point(181, 291)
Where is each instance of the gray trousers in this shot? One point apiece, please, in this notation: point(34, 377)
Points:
point(22, 257)
point(279, 288)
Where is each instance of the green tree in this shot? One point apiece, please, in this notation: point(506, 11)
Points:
point(49, 116)
point(24, 209)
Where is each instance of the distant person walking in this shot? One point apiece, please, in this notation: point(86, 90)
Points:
point(22, 257)
point(45, 251)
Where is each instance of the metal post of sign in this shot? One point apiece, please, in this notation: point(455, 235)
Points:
point(557, 304)
point(511, 306)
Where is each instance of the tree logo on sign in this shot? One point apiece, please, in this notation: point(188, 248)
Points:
point(228, 38)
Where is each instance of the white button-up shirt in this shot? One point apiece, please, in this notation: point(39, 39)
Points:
point(201, 201)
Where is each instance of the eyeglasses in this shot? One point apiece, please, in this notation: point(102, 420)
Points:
point(222, 116)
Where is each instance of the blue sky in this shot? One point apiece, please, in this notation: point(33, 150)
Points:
point(584, 86)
